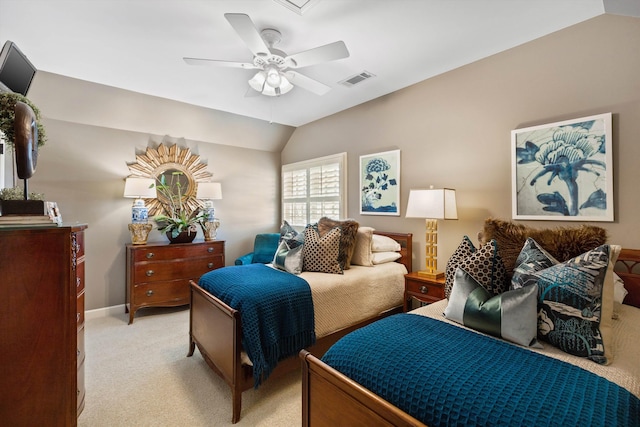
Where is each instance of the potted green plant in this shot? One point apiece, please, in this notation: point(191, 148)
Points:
point(7, 117)
point(177, 221)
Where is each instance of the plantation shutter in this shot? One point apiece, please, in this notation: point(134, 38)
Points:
point(313, 189)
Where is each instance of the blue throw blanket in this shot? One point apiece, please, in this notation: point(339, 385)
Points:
point(444, 375)
point(275, 307)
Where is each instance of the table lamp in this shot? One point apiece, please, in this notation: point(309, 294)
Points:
point(139, 189)
point(209, 191)
point(432, 204)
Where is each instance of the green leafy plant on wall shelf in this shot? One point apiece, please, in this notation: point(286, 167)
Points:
point(8, 102)
point(176, 217)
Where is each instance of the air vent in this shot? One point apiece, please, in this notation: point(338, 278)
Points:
point(298, 6)
point(358, 78)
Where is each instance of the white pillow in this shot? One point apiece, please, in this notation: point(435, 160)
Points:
point(362, 249)
point(619, 292)
point(384, 244)
point(382, 257)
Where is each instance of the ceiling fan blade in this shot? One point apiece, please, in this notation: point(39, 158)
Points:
point(307, 83)
point(248, 33)
point(326, 53)
point(216, 63)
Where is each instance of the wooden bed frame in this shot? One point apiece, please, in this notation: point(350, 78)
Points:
point(329, 398)
point(216, 330)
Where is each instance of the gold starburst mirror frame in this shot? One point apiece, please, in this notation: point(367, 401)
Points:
point(165, 160)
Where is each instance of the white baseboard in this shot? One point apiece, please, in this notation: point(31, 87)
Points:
point(114, 310)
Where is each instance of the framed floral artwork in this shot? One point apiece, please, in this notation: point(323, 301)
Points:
point(380, 183)
point(563, 171)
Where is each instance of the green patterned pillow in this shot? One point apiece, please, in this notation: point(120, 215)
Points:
point(511, 315)
point(574, 305)
point(322, 254)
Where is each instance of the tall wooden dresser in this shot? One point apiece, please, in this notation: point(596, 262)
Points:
point(158, 274)
point(41, 325)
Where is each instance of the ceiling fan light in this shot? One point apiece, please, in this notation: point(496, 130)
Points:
point(285, 85)
point(257, 81)
point(273, 77)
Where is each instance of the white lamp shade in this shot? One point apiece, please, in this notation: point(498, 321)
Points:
point(432, 204)
point(140, 188)
point(209, 191)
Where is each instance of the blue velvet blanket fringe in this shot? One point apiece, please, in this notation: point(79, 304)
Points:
point(444, 375)
point(276, 310)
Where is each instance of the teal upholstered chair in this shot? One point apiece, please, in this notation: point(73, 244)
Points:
point(264, 248)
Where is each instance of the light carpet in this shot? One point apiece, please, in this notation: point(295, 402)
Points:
point(139, 375)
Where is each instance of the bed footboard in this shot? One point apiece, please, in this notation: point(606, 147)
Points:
point(215, 328)
point(351, 404)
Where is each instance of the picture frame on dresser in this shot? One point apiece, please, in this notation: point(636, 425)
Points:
point(563, 171)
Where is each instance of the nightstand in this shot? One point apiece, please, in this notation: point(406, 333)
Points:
point(421, 290)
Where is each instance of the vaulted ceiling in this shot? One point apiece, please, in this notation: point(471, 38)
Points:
point(139, 45)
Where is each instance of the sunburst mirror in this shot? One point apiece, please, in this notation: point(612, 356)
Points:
point(166, 161)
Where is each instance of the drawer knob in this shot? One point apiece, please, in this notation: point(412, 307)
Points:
point(209, 249)
point(150, 255)
point(210, 265)
point(78, 282)
point(149, 292)
point(424, 289)
point(77, 317)
point(149, 273)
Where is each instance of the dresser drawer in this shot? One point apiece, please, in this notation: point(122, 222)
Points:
point(171, 270)
point(79, 277)
point(80, 351)
point(177, 251)
point(426, 289)
point(160, 292)
point(80, 310)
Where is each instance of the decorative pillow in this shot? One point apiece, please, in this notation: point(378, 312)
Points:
point(532, 258)
point(382, 257)
point(511, 315)
point(562, 243)
point(362, 248)
point(349, 229)
point(486, 267)
point(382, 243)
point(465, 250)
point(575, 306)
point(289, 255)
point(619, 292)
point(321, 253)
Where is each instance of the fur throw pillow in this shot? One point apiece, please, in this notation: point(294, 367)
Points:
point(349, 228)
point(563, 243)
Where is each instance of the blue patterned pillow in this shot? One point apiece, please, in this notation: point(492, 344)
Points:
point(574, 305)
point(532, 258)
point(512, 315)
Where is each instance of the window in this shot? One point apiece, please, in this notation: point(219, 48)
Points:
point(313, 189)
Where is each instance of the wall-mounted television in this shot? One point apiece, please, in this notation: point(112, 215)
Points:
point(16, 71)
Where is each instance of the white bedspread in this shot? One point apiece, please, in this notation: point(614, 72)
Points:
point(342, 300)
point(625, 368)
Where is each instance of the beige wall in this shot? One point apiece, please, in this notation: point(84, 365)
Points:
point(454, 130)
point(94, 131)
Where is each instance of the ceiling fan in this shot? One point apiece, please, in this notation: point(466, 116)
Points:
point(276, 75)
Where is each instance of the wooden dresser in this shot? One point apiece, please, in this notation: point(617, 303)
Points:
point(42, 325)
point(158, 274)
